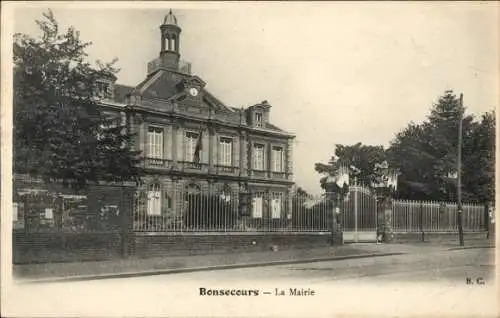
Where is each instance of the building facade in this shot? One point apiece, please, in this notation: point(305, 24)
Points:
point(195, 145)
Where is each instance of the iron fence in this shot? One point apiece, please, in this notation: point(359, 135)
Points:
point(52, 224)
point(427, 216)
point(360, 210)
point(204, 211)
point(39, 210)
point(183, 210)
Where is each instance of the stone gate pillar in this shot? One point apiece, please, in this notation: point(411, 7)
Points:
point(385, 186)
point(388, 234)
point(334, 194)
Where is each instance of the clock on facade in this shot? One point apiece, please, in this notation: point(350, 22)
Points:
point(193, 91)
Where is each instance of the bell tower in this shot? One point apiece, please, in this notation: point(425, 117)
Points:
point(170, 42)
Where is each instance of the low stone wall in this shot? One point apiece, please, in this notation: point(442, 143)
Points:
point(195, 244)
point(404, 237)
point(50, 247)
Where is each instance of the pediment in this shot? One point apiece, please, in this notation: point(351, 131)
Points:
point(174, 87)
point(206, 101)
point(195, 80)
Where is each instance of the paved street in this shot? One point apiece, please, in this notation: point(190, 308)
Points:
point(446, 266)
point(431, 283)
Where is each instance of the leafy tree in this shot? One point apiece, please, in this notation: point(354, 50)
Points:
point(426, 153)
point(360, 158)
point(59, 126)
point(412, 155)
point(479, 159)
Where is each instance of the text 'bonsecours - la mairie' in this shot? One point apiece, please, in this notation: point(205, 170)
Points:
point(256, 292)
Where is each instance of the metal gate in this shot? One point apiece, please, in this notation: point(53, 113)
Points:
point(360, 215)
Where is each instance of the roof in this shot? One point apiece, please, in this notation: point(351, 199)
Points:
point(160, 84)
point(273, 127)
point(163, 84)
point(170, 18)
point(215, 101)
point(121, 92)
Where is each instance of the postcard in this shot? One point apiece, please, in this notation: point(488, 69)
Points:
point(249, 159)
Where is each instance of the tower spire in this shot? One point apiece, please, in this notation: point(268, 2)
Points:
point(170, 41)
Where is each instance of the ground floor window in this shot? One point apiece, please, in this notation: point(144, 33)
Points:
point(154, 199)
point(257, 203)
point(276, 206)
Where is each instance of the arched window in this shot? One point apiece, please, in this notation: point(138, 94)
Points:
point(173, 44)
point(154, 199)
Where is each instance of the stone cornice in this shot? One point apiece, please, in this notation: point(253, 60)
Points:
point(211, 122)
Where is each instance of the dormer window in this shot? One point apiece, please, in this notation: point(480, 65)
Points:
point(258, 119)
point(103, 90)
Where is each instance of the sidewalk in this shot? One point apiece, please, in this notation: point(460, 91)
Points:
point(132, 267)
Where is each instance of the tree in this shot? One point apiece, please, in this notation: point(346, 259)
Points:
point(360, 158)
point(59, 126)
point(479, 159)
point(426, 153)
point(412, 155)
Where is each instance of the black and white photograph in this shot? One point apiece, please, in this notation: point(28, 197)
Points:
point(249, 159)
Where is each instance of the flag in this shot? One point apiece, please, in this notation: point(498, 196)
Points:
point(198, 148)
point(393, 180)
point(342, 176)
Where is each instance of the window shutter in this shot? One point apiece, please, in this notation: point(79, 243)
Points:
point(236, 153)
point(229, 153)
point(149, 143)
point(204, 151)
point(180, 144)
point(167, 142)
point(273, 160)
point(154, 200)
point(276, 208)
point(265, 157)
point(159, 144)
point(282, 158)
point(255, 157)
point(219, 151)
point(257, 207)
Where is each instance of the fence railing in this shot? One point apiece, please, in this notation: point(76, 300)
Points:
point(426, 216)
point(203, 211)
point(183, 210)
point(101, 209)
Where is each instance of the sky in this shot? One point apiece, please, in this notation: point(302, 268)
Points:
point(333, 72)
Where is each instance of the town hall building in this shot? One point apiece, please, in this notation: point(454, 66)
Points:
point(194, 145)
